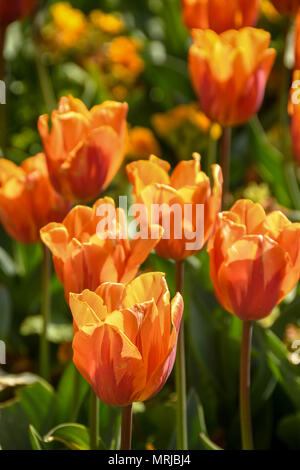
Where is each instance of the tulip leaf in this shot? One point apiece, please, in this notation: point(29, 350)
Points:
point(289, 431)
point(73, 436)
point(7, 264)
point(270, 163)
point(13, 426)
point(71, 392)
point(207, 444)
point(35, 438)
point(286, 374)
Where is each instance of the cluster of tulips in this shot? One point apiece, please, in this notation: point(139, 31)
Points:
point(127, 331)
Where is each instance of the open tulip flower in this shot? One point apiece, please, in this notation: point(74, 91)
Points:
point(84, 149)
point(254, 259)
point(287, 7)
point(27, 199)
point(229, 72)
point(219, 15)
point(126, 337)
point(16, 10)
point(84, 258)
point(187, 185)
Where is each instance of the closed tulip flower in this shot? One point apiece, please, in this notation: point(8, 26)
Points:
point(16, 10)
point(219, 15)
point(84, 149)
point(27, 199)
point(86, 255)
point(229, 72)
point(126, 337)
point(287, 7)
point(185, 189)
point(254, 259)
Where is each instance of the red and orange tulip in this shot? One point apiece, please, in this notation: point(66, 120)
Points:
point(27, 199)
point(84, 149)
point(219, 15)
point(84, 258)
point(229, 72)
point(16, 10)
point(254, 259)
point(126, 337)
point(287, 7)
point(187, 185)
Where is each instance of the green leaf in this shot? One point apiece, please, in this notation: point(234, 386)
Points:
point(7, 264)
point(207, 444)
point(285, 373)
point(71, 392)
point(73, 436)
point(13, 426)
point(289, 431)
point(35, 438)
point(36, 401)
point(270, 163)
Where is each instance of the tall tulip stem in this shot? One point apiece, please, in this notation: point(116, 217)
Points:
point(225, 162)
point(45, 312)
point(245, 407)
point(94, 421)
point(180, 373)
point(126, 429)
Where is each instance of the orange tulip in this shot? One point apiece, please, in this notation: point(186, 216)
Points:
point(27, 199)
point(219, 15)
point(229, 72)
point(126, 337)
point(187, 185)
point(254, 259)
point(15, 10)
point(287, 7)
point(84, 149)
point(84, 258)
point(294, 111)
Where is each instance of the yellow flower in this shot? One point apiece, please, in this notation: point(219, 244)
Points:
point(176, 117)
point(123, 53)
point(70, 23)
point(269, 11)
point(142, 143)
point(108, 23)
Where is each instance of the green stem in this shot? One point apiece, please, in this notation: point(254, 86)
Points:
point(2, 106)
point(180, 372)
point(75, 397)
point(126, 428)
point(94, 421)
point(42, 70)
point(225, 163)
point(211, 153)
point(45, 312)
point(245, 407)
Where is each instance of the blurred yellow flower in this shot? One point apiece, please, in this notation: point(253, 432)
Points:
point(176, 117)
point(142, 143)
point(107, 22)
point(257, 192)
point(70, 23)
point(123, 53)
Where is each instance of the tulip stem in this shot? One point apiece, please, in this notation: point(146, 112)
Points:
point(211, 153)
point(126, 429)
point(225, 163)
point(180, 372)
point(94, 421)
point(45, 312)
point(245, 367)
